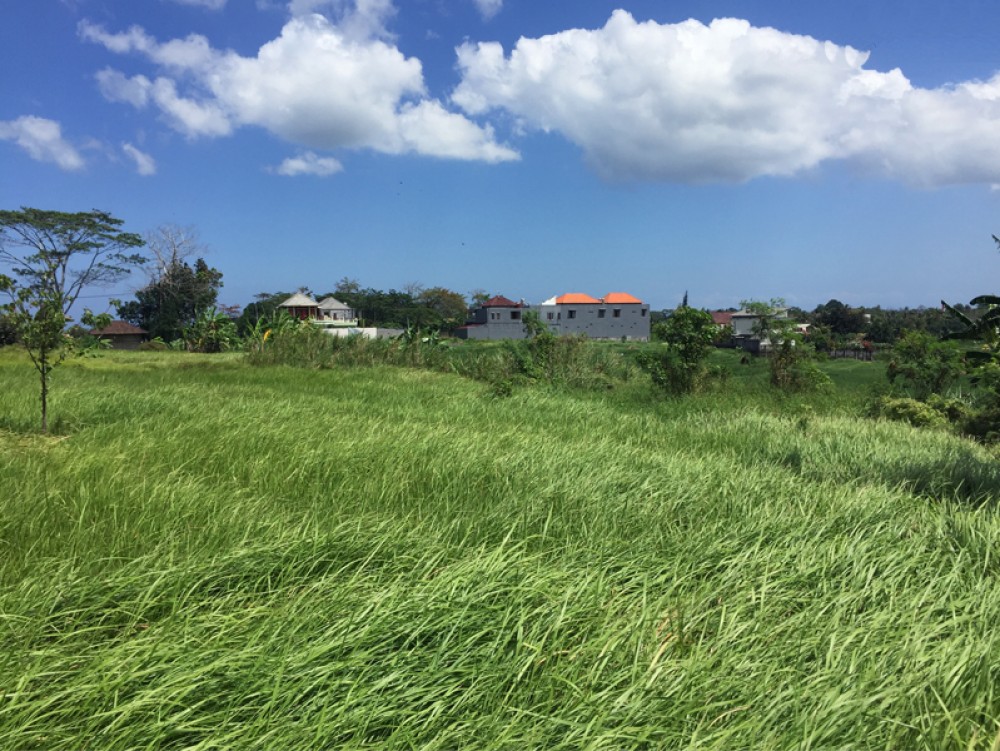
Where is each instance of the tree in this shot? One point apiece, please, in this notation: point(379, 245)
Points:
point(171, 303)
point(790, 364)
point(347, 286)
point(8, 331)
point(478, 296)
point(175, 292)
point(449, 308)
point(688, 335)
point(924, 364)
point(840, 319)
point(53, 256)
point(264, 306)
point(533, 324)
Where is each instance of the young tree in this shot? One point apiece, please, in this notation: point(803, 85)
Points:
point(679, 367)
point(52, 257)
point(789, 361)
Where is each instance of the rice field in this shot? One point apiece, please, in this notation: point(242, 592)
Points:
point(207, 555)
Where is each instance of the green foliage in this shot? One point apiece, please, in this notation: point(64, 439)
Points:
point(8, 330)
point(53, 257)
point(790, 358)
point(839, 319)
point(449, 308)
point(678, 367)
point(533, 324)
point(793, 368)
point(924, 365)
point(171, 303)
point(904, 409)
point(212, 331)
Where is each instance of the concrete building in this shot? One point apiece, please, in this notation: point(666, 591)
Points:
point(617, 315)
point(332, 309)
point(332, 316)
point(497, 318)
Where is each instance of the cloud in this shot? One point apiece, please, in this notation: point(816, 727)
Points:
point(210, 4)
point(728, 102)
point(117, 87)
point(144, 163)
point(309, 163)
point(316, 85)
point(488, 8)
point(43, 141)
point(355, 19)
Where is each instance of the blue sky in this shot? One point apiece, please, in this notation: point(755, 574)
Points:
point(731, 149)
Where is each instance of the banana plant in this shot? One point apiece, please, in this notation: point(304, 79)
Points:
point(985, 329)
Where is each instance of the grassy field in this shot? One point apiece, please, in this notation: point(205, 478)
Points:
point(208, 555)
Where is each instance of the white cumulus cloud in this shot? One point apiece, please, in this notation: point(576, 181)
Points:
point(309, 163)
point(117, 87)
point(488, 8)
point(728, 101)
point(144, 163)
point(43, 140)
point(321, 85)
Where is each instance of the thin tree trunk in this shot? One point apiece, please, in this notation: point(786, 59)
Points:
point(44, 370)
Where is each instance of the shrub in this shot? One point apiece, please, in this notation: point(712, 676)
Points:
point(924, 365)
point(793, 368)
point(904, 409)
point(679, 367)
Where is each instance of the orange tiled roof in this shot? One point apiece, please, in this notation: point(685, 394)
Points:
point(576, 298)
point(621, 298)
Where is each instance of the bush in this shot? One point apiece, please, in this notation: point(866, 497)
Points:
point(904, 409)
point(924, 365)
point(793, 369)
point(679, 367)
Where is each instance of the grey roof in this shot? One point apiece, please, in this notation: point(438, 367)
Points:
point(332, 303)
point(298, 300)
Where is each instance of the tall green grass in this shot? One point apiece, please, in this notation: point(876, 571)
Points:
point(212, 555)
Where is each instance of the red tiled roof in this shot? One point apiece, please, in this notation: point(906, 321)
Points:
point(118, 328)
point(722, 317)
point(621, 298)
point(499, 301)
point(576, 298)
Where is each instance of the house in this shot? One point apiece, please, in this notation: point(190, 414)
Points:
point(745, 323)
point(332, 309)
point(330, 315)
point(121, 335)
point(722, 318)
point(617, 315)
point(300, 306)
point(497, 318)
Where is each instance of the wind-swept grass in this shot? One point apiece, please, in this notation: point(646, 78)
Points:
point(219, 556)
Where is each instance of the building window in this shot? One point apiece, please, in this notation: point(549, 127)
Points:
point(515, 315)
point(601, 312)
point(643, 312)
point(558, 316)
point(550, 316)
point(571, 314)
point(617, 312)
